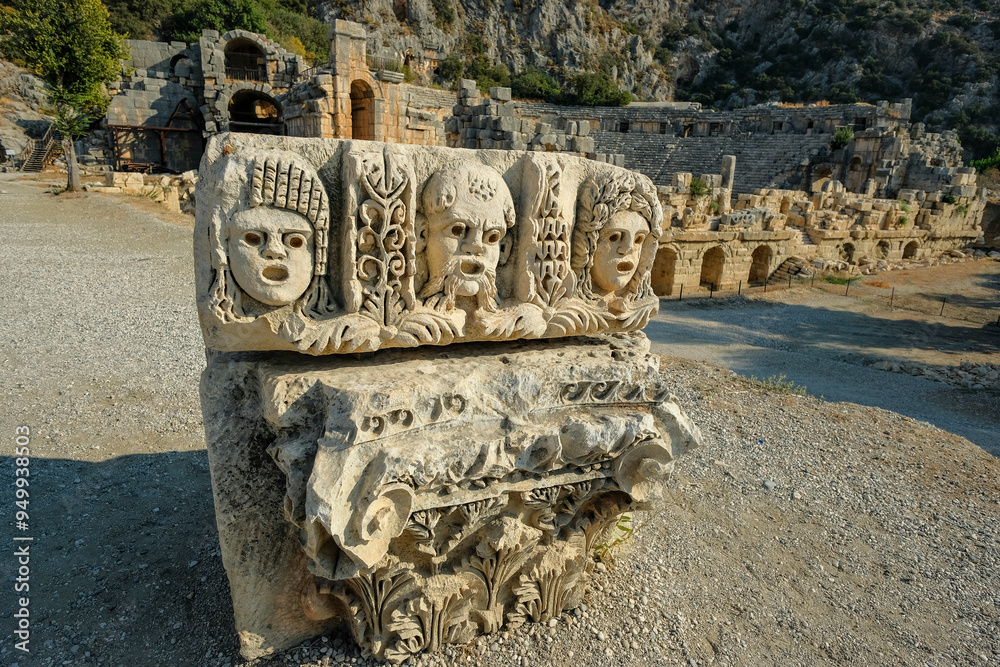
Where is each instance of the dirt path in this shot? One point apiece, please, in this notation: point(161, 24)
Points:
point(877, 540)
point(823, 340)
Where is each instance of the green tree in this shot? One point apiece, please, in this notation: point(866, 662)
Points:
point(71, 124)
point(69, 44)
point(597, 90)
point(532, 84)
point(452, 68)
point(198, 15)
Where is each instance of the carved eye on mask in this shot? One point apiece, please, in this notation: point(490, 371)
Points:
point(253, 238)
point(457, 230)
point(294, 240)
point(639, 238)
point(493, 236)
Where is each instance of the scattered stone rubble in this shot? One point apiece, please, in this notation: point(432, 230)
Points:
point(967, 374)
point(177, 193)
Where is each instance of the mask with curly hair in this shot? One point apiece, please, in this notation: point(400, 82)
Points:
point(618, 221)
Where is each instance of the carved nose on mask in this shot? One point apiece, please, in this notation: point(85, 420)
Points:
point(273, 250)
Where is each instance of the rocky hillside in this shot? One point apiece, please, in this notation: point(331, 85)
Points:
point(22, 100)
point(726, 54)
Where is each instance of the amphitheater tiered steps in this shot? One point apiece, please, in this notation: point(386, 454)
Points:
point(761, 160)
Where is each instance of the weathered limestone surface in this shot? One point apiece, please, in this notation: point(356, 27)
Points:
point(328, 246)
point(425, 496)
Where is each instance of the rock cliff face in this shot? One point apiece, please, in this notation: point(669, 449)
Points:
point(727, 54)
point(22, 98)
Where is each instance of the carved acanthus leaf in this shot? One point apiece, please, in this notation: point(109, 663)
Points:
point(551, 586)
point(504, 548)
point(370, 598)
point(438, 615)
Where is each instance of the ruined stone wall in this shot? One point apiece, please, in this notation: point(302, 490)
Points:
point(279, 71)
point(401, 113)
point(156, 80)
point(765, 160)
point(706, 245)
point(689, 120)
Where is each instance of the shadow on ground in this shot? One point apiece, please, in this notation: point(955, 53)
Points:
point(125, 564)
point(825, 350)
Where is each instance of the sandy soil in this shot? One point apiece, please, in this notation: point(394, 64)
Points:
point(877, 540)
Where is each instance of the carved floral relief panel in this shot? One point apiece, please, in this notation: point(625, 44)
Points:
point(327, 246)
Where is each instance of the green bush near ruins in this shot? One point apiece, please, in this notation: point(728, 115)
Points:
point(698, 187)
point(533, 84)
point(778, 384)
point(841, 138)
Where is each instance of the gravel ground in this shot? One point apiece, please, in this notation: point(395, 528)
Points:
point(828, 342)
point(802, 532)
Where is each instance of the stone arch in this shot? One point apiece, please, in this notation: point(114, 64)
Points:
point(760, 265)
point(245, 57)
point(713, 263)
point(910, 250)
point(254, 111)
point(664, 270)
point(182, 64)
point(362, 110)
point(848, 252)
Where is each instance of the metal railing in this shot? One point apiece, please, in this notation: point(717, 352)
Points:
point(258, 74)
point(39, 152)
point(929, 301)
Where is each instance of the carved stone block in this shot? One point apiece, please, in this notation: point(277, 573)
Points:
point(426, 496)
point(328, 246)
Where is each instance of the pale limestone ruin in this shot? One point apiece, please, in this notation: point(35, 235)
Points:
point(778, 196)
point(423, 496)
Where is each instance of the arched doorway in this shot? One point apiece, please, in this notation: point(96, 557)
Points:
point(362, 111)
point(245, 61)
point(712, 264)
point(882, 250)
point(664, 268)
point(254, 112)
point(847, 252)
point(910, 250)
point(760, 267)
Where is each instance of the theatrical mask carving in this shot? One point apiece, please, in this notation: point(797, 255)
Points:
point(618, 224)
point(270, 238)
point(423, 239)
point(617, 256)
point(271, 253)
point(468, 210)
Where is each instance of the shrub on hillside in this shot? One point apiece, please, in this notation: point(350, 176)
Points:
point(592, 89)
point(533, 84)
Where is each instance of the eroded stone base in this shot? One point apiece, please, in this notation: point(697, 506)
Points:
point(427, 496)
